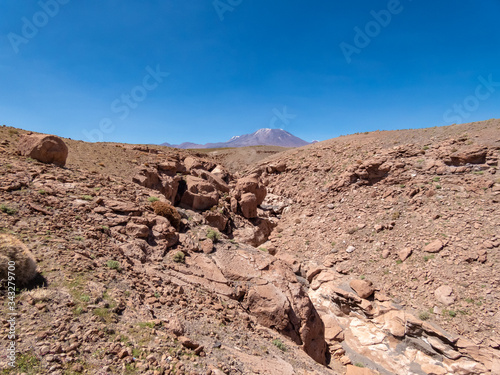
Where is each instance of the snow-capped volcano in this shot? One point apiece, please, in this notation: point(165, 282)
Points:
point(262, 137)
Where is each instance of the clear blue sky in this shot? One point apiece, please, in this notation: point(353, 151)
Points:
point(79, 69)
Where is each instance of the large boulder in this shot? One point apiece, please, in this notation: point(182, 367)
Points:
point(253, 185)
point(248, 205)
point(256, 233)
point(17, 259)
point(250, 193)
point(199, 195)
point(44, 148)
point(159, 179)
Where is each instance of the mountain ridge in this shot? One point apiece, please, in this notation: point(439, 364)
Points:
point(261, 137)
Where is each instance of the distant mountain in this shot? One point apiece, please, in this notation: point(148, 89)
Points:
point(262, 137)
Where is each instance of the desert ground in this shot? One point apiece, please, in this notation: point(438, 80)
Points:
point(371, 253)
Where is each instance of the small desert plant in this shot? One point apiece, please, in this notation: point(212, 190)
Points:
point(436, 179)
point(450, 313)
point(167, 210)
point(13, 132)
point(28, 363)
point(179, 257)
point(153, 199)
point(16, 259)
point(78, 311)
point(8, 210)
point(113, 264)
point(279, 344)
point(213, 235)
point(424, 315)
point(87, 198)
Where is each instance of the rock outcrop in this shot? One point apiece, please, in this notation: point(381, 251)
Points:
point(249, 193)
point(44, 148)
point(267, 287)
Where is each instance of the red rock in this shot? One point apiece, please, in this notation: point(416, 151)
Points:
point(405, 253)
point(248, 205)
point(434, 247)
point(444, 295)
point(200, 194)
point(44, 148)
point(137, 230)
point(188, 343)
point(363, 288)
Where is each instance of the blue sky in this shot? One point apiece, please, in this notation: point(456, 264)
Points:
point(97, 70)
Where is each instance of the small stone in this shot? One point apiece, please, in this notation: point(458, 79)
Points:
point(345, 360)
point(78, 368)
point(444, 295)
point(123, 354)
point(405, 253)
point(386, 253)
point(187, 343)
point(207, 246)
point(363, 288)
point(434, 247)
point(350, 249)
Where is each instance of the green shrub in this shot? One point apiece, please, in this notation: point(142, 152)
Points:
point(28, 363)
point(179, 257)
point(113, 264)
point(6, 209)
point(213, 235)
point(450, 313)
point(424, 315)
point(87, 198)
point(153, 199)
point(279, 344)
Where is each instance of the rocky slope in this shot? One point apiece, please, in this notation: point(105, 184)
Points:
point(413, 212)
point(367, 254)
point(129, 284)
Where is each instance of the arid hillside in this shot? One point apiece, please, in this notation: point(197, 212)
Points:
point(373, 253)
